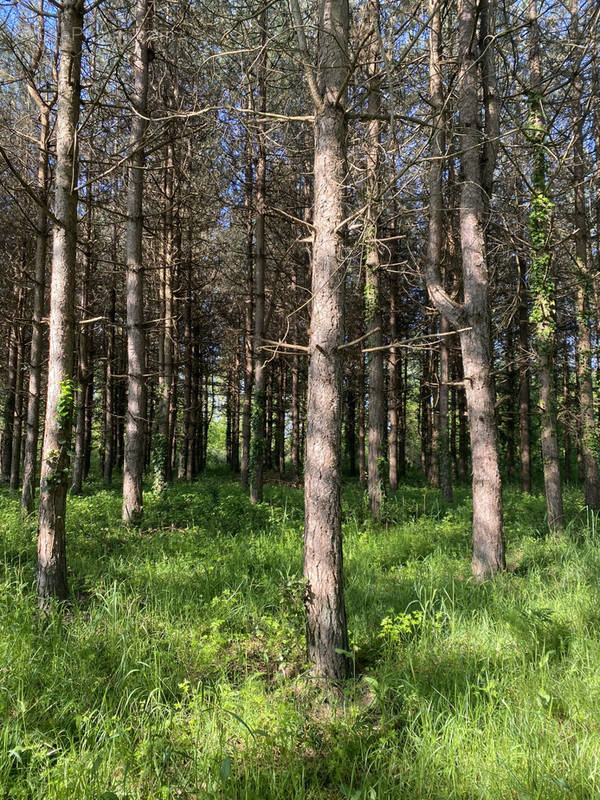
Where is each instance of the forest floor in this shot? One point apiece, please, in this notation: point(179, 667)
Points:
point(178, 668)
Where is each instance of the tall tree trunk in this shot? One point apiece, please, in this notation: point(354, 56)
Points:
point(36, 354)
point(83, 360)
point(109, 392)
point(52, 556)
point(133, 466)
point(566, 415)
point(393, 380)
point(542, 288)
point(444, 437)
point(8, 412)
point(373, 321)
point(257, 447)
point(17, 428)
point(524, 402)
point(472, 317)
point(583, 277)
point(326, 629)
point(248, 307)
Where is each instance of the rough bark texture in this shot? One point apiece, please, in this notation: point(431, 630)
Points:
point(133, 465)
point(324, 597)
point(477, 167)
point(52, 557)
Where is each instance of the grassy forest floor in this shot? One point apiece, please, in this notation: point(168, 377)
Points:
point(178, 669)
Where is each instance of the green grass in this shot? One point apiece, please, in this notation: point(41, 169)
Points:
point(178, 669)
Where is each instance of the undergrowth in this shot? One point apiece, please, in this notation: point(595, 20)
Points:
point(177, 669)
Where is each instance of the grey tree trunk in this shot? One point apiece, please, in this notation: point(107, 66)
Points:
point(51, 551)
point(133, 464)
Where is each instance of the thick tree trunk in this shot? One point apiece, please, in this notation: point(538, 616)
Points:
point(326, 629)
point(52, 556)
point(473, 315)
point(133, 466)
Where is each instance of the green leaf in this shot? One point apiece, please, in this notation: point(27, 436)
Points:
point(226, 768)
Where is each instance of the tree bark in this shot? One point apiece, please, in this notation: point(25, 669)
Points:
point(472, 317)
point(257, 447)
point(543, 289)
point(52, 556)
point(133, 466)
point(524, 369)
point(583, 278)
point(373, 321)
point(36, 355)
point(326, 629)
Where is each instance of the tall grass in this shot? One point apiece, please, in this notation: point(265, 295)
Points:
point(177, 670)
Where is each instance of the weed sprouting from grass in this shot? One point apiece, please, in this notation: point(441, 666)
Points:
point(178, 668)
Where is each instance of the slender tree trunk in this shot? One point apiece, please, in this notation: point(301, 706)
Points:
point(583, 277)
point(373, 321)
point(109, 393)
point(393, 399)
point(52, 556)
point(444, 437)
point(133, 467)
point(8, 413)
point(36, 354)
point(83, 361)
point(17, 428)
point(566, 415)
point(248, 308)
point(524, 402)
point(257, 447)
point(542, 289)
